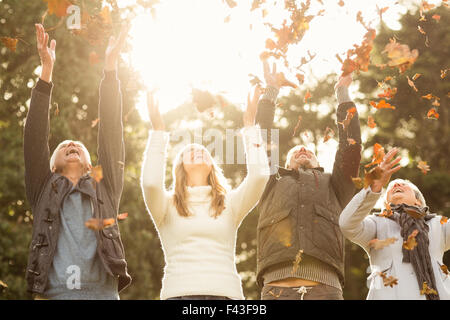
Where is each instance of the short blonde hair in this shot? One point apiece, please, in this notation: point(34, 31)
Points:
point(53, 157)
point(417, 193)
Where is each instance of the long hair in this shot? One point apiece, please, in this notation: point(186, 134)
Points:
point(216, 180)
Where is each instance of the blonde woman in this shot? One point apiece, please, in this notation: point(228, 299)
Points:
point(399, 272)
point(198, 219)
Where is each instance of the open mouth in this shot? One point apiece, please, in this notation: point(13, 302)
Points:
point(397, 190)
point(71, 151)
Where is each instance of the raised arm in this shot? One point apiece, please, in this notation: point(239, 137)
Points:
point(153, 166)
point(111, 148)
point(37, 125)
point(348, 155)
point(354, 221)
point(246, 196)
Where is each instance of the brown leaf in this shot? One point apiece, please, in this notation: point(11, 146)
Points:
point(58, 7)
point(10, 43)
point(444, 268)
point(444, 220)
point(433, 114)
point(307, 96)
point(387, 212)
point(350, 114)
point(416, 76)
point(122, 216)
point(423, 167)
point(400, 56)
point(94, 122)
point(381, 105)
point(370, 122)
point(370, 176)
point(378, 154)
point(411, 84)
point(388, 281)
point(427, 290)
point(380, 244)
point(411, 242)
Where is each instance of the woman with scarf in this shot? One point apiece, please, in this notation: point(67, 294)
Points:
point(405, 243)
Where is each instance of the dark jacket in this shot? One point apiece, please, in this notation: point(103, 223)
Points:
point(47, 190)
point(299, 209)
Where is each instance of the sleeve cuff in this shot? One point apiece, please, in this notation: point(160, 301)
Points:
point(44, 87)
point(342, 95)
point(270, 94)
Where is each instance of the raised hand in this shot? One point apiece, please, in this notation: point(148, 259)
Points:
point(114, 48)
point(153, 112)
point(46, 54)
point(271, 77)
point(344, 81)
point(252, 106)
point(387, 167)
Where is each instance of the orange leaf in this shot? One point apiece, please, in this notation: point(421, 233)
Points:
point(99, 224)
point(444, 219)
point(411, 242)
point(97, 173)
point(380, 244)
point(378, 155)
point(58, 7)
point(444, 269)
point(427, 290)
point(387, 212)
point(423, 167)
point(341, 3)
point(351, 141)
point(329, 133)
point(436, 17)
point(400, 56)
point(297, 125)
point(283, 82)
point(428, 96)
point(371, 123)
point(411, 84)
point(444, 73)
point(122, 216)
point(388, 281)
point(381, 105)
point(388, 93)
point(416, 76)
point(432, 114)
point(300, 78)
point(94, 122)
point(10, 43)
point(425, 6)
point(348, 118)
point(421, 30)
point(307, 96)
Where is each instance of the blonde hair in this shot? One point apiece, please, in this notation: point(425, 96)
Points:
point(216, 180)
point(417, 193)
point(53, 157)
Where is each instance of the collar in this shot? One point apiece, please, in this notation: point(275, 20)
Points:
point(284, 171)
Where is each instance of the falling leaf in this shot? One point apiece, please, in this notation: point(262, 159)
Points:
point(122, 216)
point(99, 224)
point(94, 122)
point(300, 78)
point(358, 183)
point(381, 105)
point(427, 290)
point(388, 281)
point(341, 3)
point(436, 17)
point(297, 125)
point(416, 76)
point(350, 114)
point(2, 284)
point(378, 155)
point(387, 212)
point(231, 3)
point(428, 96)
point(380, 244)
point(425, 6)
point(358, 58)
point(444, 268)
point(411, 84)
point(307, 96)
point(388, 93)
point(329, 133)
point(58, 7)
point(227, 19)
point(423, 167)
point(411, 242)
point(436, 103)
point(432, 114)
point(444, 73)
point(400, 56)
point(371, 175)
point(421, 30)
point(351, 141)
point(298, 259)
point(97, 173)
point(370, 122)
point(444, 219)
point(10, 43)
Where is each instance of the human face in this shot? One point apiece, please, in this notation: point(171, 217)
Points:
point(402, 193)
point(197, 159)
point(303, 157)
point(73, 154)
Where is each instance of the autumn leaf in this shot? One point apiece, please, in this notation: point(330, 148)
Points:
point(380, 244)
point(94, 122)
point(388, 281)
point(329, 133)
point(423, 167)
point(411, 84)
point(387, 212)
point(421, 30)
point(97, 173)
point(307, 96)
point(381, 105)
point(99, 224)
point(416, 76)
point(2, 284)
point(378, 154)
point(425, 6)
point(436, 103)
point(351, 141)
point(428, 96)
point(371, 175)
point(350, 114)
point(122, 216)
point(444, 73)
point(231, 3)
point(298, 259)
point(444, 268)
point(388, 93)
point(370, 122)
point(297, 125)
point(58, 7)
point(399, 55)
point(10, 43)
point(358, 183)
point(432, 114)
point(300, 78)
point(444, 220)
point(427, 290)
point(411, 242)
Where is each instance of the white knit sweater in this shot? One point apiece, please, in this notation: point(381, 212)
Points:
point(199, 250)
